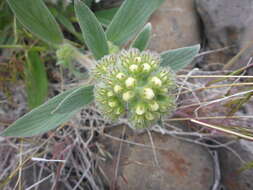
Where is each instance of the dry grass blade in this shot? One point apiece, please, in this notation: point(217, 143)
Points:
point(242, 134)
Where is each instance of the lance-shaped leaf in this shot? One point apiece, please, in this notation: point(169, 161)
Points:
point(44, 117)
point(92, 31)
point(130, 19)
point(142, 40)
point(177, 59)
point(36, 17)
point(36, 80)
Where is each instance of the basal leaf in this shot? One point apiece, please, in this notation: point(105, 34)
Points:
point(93, 33)
point(177, 59)
point(43, 118)
point(36, 80)
point(129, 19)
point(36, 17)
point(142, 40)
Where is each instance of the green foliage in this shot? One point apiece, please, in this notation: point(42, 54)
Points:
point(142, 40)
point(93, 33)
point(106, 16)
point(179, 58)
point(66, 23)
point(36, 80)
point(44, 117)
point(36, 17)
point(72, 100)
point(129, 19)
point(147, 105)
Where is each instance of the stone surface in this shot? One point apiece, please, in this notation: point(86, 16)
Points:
point(180, 165)
point(227, 23)
point(232, 176)
point(175, 25)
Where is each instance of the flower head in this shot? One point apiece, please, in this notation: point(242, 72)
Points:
point(134, 85)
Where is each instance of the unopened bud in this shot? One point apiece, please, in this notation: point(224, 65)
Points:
point(130, 82)
point(148, 93)
point(128, 95)
point(140, 109)
point(156, 81)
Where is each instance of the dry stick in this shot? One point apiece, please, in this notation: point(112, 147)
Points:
point(211, 117)
point(37, 183)
point(214, 76)
point(153, 148)
point(219, 86)
point(20, 167)
point(219, 100)
point(118, 161)
point(213, 51)
point(222, 129)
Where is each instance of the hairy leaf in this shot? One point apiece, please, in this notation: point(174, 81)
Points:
point(93, 33)
point(36, 80)
point(129, 19)
point(36, 17)
point(105, 16)
point(44, 117)
point(142, 40)
point(177, 59)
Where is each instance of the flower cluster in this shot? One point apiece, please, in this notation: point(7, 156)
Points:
point(133, 84)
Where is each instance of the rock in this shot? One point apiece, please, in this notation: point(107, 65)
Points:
point(227, 23)
point(232, 176)
point(175, 25)
point(181, 165)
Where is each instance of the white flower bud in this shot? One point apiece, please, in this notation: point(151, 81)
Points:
point(137, 59)
point(148, 93)
point(127, 96)
point(156, 81)
point(120, 76)
point(130, 82)
point(146, 67)
point(133, 67)
point(140, 110)
point(109, 93)
point(117, 88)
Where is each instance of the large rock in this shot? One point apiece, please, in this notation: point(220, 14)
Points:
point(227, 23)
point(175, 24)
point(181, 165)
point(233, 177)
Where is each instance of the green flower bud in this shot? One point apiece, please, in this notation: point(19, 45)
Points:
point(149, 116)
point(154, 106)
point(112, 104)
